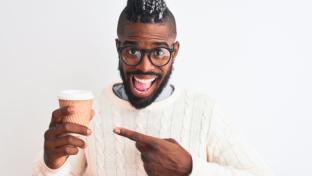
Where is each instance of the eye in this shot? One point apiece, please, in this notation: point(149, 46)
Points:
point(134, 52)
point(158, 52)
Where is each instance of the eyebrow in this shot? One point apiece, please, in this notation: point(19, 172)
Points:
point(128, 42)
point(161, 43)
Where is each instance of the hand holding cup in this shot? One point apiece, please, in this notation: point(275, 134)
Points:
point(70, 120)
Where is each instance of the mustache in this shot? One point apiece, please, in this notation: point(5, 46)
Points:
point(138, 72)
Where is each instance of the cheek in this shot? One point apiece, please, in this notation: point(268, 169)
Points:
point(165, 69)
point(125, 69)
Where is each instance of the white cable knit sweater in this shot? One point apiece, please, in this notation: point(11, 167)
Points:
point(192, 119)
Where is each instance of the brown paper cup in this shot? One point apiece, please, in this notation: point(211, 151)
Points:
point(81, 102)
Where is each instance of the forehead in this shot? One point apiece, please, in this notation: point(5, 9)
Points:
point(146, 32)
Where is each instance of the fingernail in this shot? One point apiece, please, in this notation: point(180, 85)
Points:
point(116, 130)
point(89, 131)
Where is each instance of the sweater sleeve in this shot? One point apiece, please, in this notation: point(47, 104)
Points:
point(227, 154)
point(74, 165)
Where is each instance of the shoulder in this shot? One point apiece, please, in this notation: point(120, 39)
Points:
point(105, 95)
point(103, 99)
point(197, 99)
point(196, 95)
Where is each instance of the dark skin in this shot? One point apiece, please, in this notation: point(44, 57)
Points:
point(161, 157)
point(148, 36)
point(58, 146)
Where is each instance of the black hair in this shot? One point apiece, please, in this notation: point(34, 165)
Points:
point(147, 11)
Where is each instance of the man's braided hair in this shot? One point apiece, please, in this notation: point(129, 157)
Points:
point(146, 11)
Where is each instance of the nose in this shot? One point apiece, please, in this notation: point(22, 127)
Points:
point(145, 64)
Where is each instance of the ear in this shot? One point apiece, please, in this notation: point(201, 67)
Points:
point(176, 49)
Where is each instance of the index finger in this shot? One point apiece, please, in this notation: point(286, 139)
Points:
point(135, 136)
point(58, 114)
point(65, 128)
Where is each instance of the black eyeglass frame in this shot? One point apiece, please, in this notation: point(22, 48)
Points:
point(145, 51)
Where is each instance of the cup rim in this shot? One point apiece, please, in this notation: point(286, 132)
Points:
point(72, 94)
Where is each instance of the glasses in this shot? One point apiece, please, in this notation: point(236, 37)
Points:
point(133, 56)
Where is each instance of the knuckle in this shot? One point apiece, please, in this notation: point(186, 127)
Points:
point(172, 140)
point(54, 113)
point(47, 152)
point(46, 134)
point(47, 145)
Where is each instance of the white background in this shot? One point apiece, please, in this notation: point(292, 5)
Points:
point(254, 57)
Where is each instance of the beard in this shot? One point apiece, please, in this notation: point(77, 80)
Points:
point(140, 103)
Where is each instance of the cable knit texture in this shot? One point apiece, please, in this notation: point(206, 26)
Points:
point(192, 119)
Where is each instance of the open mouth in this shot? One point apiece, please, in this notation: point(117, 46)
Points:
point(142, 86)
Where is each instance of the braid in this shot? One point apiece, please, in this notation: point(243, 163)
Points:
point(146, 10)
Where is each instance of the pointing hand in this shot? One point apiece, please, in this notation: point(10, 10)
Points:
point(161, 157)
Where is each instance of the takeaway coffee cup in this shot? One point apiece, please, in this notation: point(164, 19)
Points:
point(81, 101)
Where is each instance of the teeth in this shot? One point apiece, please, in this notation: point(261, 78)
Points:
point(144, 81)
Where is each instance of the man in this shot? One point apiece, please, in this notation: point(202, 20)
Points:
point(144, 126)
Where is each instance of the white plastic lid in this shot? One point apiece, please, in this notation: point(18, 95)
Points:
point(75, 95)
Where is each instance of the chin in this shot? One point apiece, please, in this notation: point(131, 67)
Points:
point(142, 89)
point(142, 92)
